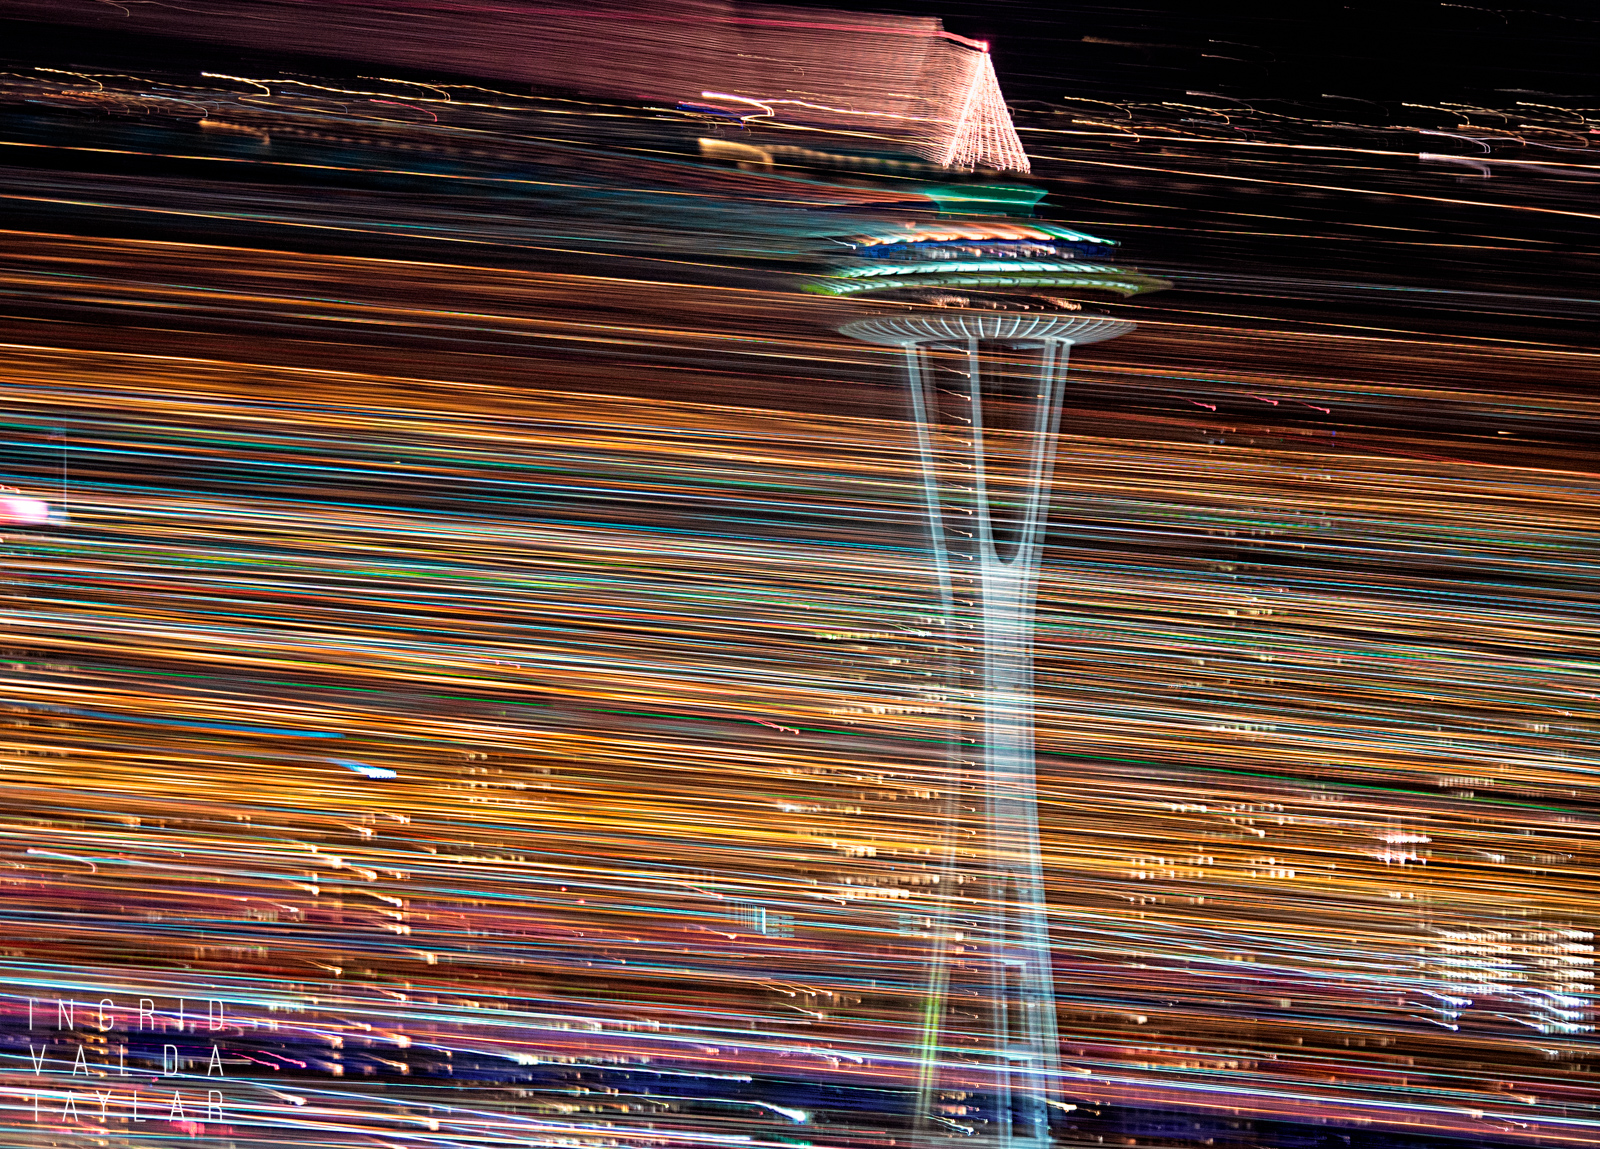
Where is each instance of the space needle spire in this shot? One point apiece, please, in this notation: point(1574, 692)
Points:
point(984, 312)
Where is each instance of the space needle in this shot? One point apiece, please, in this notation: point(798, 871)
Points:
point(984, 310)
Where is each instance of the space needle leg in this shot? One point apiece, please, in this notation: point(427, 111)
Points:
point(930, 1035)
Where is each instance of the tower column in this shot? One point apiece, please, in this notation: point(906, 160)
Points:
point(985, 390)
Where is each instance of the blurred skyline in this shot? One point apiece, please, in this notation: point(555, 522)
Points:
point(485, 644)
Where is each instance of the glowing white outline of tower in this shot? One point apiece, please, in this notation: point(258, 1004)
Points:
point(1022, 1042)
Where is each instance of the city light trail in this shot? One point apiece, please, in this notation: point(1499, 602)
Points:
point(563, 651)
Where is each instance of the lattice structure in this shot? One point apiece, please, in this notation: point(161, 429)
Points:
point(877, 82)
point(981, 134)
point(902, 83)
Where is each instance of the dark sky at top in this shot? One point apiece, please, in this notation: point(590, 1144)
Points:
point(1375, 49)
